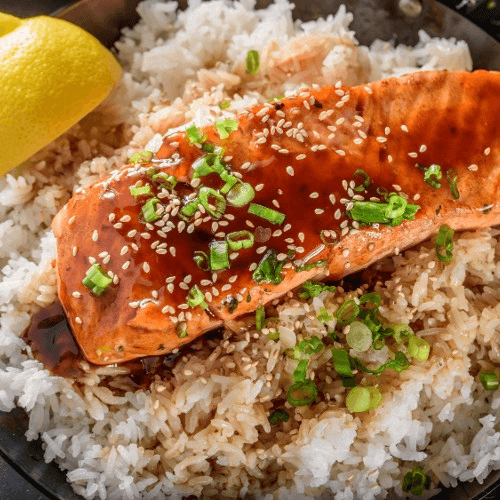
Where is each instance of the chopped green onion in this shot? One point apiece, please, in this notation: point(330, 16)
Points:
point(444, 243)
point(489, 380)
point(231, 180)
point(416, 481)
point(369, 212)
point(149, 210)
point(324, 316)
point(359, 337)
point(347, 312)
point(451, 179)
point(300, 372)
point(144, 157)
point(433, 171)
point(329, 238)
point(213, 202)
point(202, 167)
point(167, 181)
point(225, 127)
point(418, 348)
point(273, 335)
point(240, 239)
point(372, 297)
point(278, 415)
point(396, 206)
point(190, 208)
point(219, 255)
point(341, 363)
point(302, 393)
point(313, 289)
point(269, 269)
point(96, 279)
point(402, 333)
point(253, 62)
point(399, 363)
point(196, 298)
point(209, 148)
point(195, 135)
point(225, 105)
point(137, 191)
point(366, 180)
point(311, 345)
point(241, 194)
point(266, 213)
point(180, 332)
point(201, 259)
point(311, 265)
point(260, 316)
point(362, 399)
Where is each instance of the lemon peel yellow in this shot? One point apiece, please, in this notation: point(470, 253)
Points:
point(53, 74)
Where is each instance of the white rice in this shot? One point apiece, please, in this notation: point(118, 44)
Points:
point(205, 430)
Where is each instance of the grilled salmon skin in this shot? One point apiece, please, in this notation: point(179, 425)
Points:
point(225, 219)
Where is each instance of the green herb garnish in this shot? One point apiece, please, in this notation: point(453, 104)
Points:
point(444, 243)
point(225, 127)
point(253, 62)
point(96, 279)
point(269, 269)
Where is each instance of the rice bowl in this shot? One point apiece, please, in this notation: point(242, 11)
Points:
point(205, 430)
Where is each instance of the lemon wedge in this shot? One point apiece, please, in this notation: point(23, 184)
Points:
point(53, 74)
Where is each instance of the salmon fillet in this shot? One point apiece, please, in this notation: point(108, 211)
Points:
point(302, 155)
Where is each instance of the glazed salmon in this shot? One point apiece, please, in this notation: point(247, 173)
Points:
point(325, 182)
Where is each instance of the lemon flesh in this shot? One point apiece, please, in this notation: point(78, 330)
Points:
point(53, 74)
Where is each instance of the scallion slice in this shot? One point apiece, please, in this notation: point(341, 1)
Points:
point(418, 348)
point(149, 210)
point(369, 212)
point(451, 179)
point(278, 415)
point(324, 316)
point(213, 202)
point(138, 191)
point(167, 181)
point(266, 213)
point(96, 279)
point(240, 239)
point(402, 333)
point(241, 194)
point(190, 208)
point(347, 312)
point(219, 255)
point(313, 289)
point(231, 180)
point(195, 135)
point(302, 393)
point(253, 62)
point(399, 364)
point(300, 372)
point(143, 157)
point(225, 104)
point(396, 206)
point(444, 243)
point(196, 298)
point(311, 345)
point(366, 182)
point(269, 269)
point(260, 317)
point(432, 175)
point(373, 298)
point(201, 259)
point(341, 363)
point(359, 337)
point(489, 380)
point(416, 481)
point(362, 399)
point(225, 127)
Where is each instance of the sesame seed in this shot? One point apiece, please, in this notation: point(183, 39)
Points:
point(95, 235)
point(290, 171)
point(173, 251)
point(71, 220)
point(259, 187)
point(183, 286)
point(332, 199)
point(301, 237)
point(412, 155)
point(261, 249)
point(473, 167)
point(318, 211)
point(404, 128)
point(340, 121)
point(92, 260)
point(252, 267)
point(423, 148)
point(226, 287)
point(233, 255)
point(170, 287)
point(314, 195)
point(416, 197)
point(302, 156)
point(381, 139)
point(78, 320)
point(145, 235)
point(215, 291)
point(276, 203)
point(397, 187)
point(76, 294)
point(362, 134)
point(106, 259)
point(389, 158)
point(340, 152)
point(345, 253)
point(111, 217)
point(487, 151)
point(146, 267)
point(125, 218)
point(287, 228)
point(132, 233)
point(126, 265)
point(74, 251)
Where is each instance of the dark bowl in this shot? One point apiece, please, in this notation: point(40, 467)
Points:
point(105, 19)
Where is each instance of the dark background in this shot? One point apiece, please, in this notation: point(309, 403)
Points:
point(485, 13)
